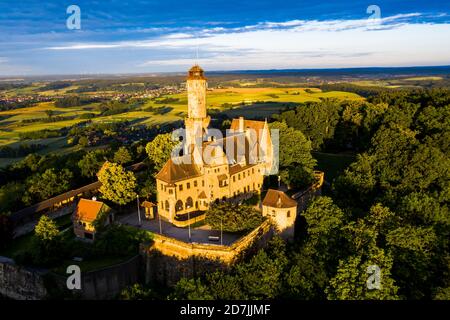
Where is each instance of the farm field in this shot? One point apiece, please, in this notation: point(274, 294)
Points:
point(398, 83)
point(233, 102)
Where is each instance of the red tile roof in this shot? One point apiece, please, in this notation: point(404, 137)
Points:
point(172, 172)
point(88, 210)
point(278, 199)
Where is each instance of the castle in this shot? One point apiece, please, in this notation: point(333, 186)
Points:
point(211, 168)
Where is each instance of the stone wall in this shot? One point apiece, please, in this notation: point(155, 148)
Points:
point(105, 283)
point(167, 259)
point(19, 283)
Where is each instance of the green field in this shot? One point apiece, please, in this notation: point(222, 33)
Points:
point(234, 102)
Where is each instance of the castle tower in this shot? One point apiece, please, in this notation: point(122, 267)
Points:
point(197, 121)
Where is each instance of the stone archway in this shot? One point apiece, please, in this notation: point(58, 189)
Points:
point(179, 206)
point(189, 203)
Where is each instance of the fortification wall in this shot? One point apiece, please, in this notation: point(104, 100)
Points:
point(167, 260)
point(19, 283)
point(105, 283)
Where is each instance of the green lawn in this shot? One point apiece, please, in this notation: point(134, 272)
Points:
point(20, 244)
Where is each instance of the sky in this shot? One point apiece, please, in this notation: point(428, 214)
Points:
point(119, 36)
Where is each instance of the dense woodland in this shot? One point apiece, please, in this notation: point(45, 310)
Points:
point(389, 208)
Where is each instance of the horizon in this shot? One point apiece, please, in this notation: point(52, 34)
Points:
point(237, 71)
point(141, 37)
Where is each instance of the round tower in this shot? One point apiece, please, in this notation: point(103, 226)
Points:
point(196, 90)
point(197, 120)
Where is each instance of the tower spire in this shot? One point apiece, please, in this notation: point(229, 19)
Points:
point(196, 52)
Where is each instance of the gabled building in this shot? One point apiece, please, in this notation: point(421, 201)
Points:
point(88, 215)
point(282, 210)
point(212, 169)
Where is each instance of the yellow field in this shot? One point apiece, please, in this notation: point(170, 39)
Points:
point(240, 101)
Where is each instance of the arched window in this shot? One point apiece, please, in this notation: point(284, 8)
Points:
point(189, 203)
point(288, 214)
point(179, 206)
point(167, 205)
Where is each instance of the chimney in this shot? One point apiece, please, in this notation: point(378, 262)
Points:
point(241, 124)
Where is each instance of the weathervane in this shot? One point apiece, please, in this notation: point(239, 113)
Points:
point(196, 52)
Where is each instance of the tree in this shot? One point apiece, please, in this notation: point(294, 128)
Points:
point(137, 292)
point(325, 242)
point(353, 278)
point(323, 217)
point(191, 289)
point(307, 275)
point(47, 243)
point(46, 230)
point(118, 185)
point(122, 156)
point(83, 141)
point(91, 163)
point(316, 120)
point(356, 187)
point(43, 186)
point(49, 113)
point(146, 186)
point(11, 196)
point(295, 160)
point(296, 177)
point(414, 250)
point(160, 148)
point(31, 162)
point(233, 218)
point(294, 148)
point(260, 277)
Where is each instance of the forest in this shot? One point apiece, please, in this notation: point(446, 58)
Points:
point(389, 209)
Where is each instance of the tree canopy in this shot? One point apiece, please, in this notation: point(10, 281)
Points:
point(160, 148)
point(233, 218)
point(295, 160)
point(118, 185)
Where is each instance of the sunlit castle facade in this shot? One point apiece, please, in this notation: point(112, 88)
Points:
point(212, 167)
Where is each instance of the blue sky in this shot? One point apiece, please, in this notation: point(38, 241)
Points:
point(157, 36)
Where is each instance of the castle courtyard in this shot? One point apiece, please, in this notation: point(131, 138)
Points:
point(198, 234)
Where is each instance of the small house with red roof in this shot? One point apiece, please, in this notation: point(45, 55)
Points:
point(89, 216)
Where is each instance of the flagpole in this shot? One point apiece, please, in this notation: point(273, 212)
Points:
point(189, 224)
point(160, 227)
point(139, 210)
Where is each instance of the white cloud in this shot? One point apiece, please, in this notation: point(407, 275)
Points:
point(391, 41)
